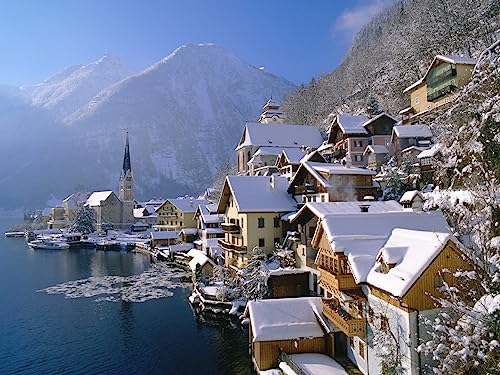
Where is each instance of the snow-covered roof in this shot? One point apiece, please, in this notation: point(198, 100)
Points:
point(285, 318)
point(431, 152)
point(257, 194)
point(375, 118)
point(333, 169)
point(412, 252)
point(274, 151)
point(208, 214)
point(294, 155)
point(76, 198)
point(47, 212)
point(322, 209)
point(164, 235)
point(352, 124)
point(456, 59)
point(187, 204)
point(360, 236)
point(413, 85)
point(317, 364)
point(280, 135)
point(189, 231)
point(409, 196)
point(412, 131)
point(198, 258)
point(376, 149)
point(97, 196)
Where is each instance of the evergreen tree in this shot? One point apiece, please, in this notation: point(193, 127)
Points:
point(256, 275)
point(373, 106)
point(84, 221)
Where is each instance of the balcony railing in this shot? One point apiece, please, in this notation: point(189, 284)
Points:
point(230, 228)
point(331, 280)
point(231, 247)
point(432, 95)
point(350, 325)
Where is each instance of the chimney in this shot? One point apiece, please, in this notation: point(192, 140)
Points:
point(364, 207)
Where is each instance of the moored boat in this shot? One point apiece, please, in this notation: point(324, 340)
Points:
point(14, 234)
point(48, 245)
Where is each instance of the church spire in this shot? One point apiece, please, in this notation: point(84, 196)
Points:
point(126, 159)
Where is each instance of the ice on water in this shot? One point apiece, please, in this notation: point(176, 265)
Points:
point(159, 281)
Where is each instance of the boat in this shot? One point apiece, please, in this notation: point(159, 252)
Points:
point(14, 234)
point(48, 245)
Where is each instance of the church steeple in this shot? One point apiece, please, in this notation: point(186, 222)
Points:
point(126, 178)
point(272, 113)
point(127, 169)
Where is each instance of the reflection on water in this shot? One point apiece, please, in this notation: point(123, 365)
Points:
point(156, 282)
point(43, 333)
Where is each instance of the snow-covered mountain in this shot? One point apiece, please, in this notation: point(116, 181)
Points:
point(73, 87)
point(184, 115)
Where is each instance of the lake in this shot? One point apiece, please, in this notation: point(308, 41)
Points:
point(94, 312)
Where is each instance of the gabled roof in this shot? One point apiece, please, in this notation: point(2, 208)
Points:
point(293, 155)
point(409, 196)
point(412, 252)
point(286, 318)
point(352, 124)
point(412, 131)
point(164, 235)
point(280, 135)
point(361, 236)
point(208, 214)
point(375, 149)
point(76, 198)
point(187, 204)
point(97, 197)
point(375, 118)
point(257, 194)
point(314, 168)
point(323, 209)
point(431, 152)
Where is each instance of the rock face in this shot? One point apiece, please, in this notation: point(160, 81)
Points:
point(184, 115)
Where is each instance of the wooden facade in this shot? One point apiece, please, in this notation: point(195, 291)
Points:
point(266, 353)
point(289, 285)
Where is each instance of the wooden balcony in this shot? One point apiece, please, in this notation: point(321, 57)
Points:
point(231, 247)
point(305, 189)
point(332, 281)
point(230, 228)
point(350, 325)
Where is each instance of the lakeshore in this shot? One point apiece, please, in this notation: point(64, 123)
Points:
point(75, 332)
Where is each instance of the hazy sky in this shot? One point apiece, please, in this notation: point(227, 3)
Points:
point(297, 39)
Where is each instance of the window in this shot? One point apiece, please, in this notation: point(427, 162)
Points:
point(417, 100)
point(358, 143)
point(351, 343)
point(277, 222)
point(358, 157)
point(241, 223)
point(370, 315)
point(262, 243)
point(276, 240)
point(361, 348)
point(260, 222)
point(438, 281)
point(384, 322)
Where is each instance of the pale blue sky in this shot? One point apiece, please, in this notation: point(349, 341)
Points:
point(295, 39)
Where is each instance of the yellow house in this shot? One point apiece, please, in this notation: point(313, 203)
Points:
point(177, 214)
point(439, 85)
point(252, 208)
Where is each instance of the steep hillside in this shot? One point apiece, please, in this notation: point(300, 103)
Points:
point(392, 51)
point(72, 88)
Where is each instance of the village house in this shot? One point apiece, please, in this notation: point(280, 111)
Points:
point(288, 161)
point(72, 203)
point(176, 214)
point(428, 160)
point(412, 200)
point(161, 239)
point(209, 230)
point(352, 134)
point(307, 219)
point(253, 207)
point(270, 138)
point(410, 140)
point(376, 156)
point(280, 330)
point(57, 219)
point(107, 209)
point(146, 211)
point(379, 272)
point(327, 182)
point(444, 77)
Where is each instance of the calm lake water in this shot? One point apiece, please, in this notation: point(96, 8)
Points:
point(60, 313)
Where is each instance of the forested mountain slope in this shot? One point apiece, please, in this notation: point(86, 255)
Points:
point(393, 51)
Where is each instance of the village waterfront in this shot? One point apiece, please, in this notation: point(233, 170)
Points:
point(124, 328)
